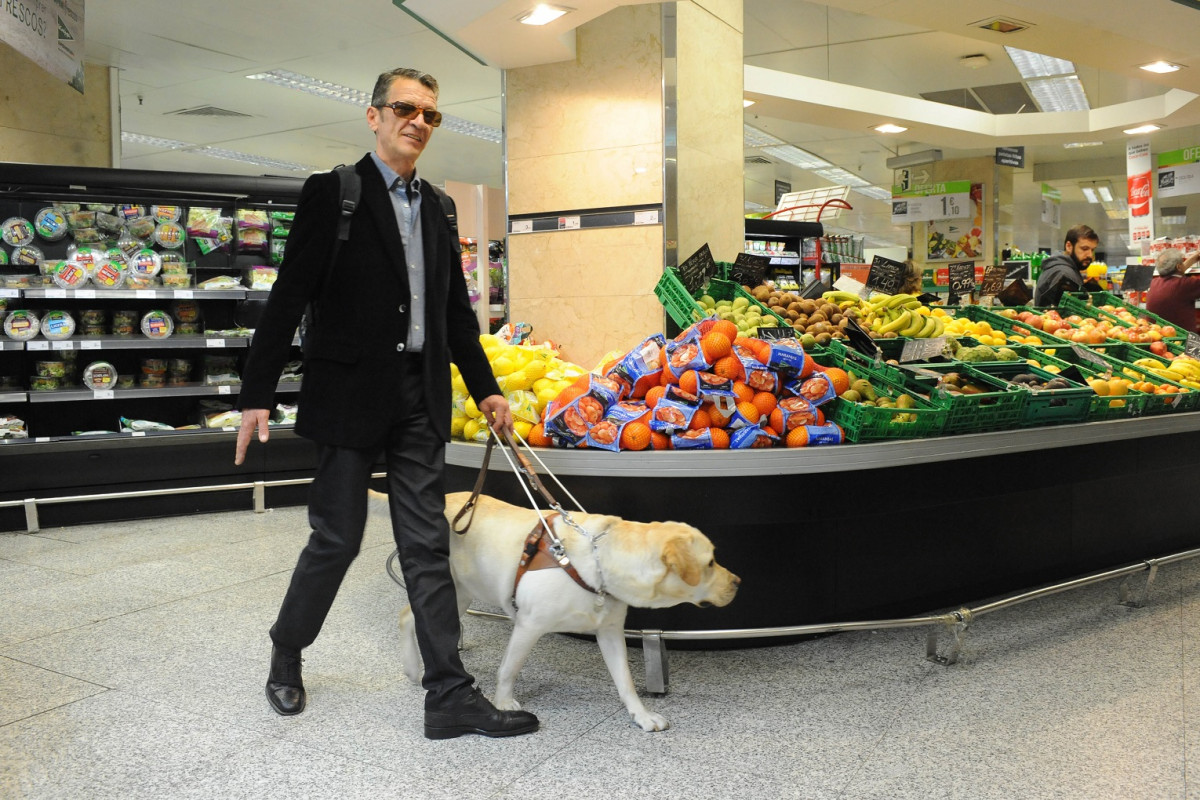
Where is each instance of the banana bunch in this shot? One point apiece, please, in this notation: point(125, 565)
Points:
point(895, 314)
point(1184, 370)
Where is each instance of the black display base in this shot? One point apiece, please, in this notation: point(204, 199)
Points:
point(903, 541)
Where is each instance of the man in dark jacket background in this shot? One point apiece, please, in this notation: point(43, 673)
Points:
point(392, 312)
point(1065, 271)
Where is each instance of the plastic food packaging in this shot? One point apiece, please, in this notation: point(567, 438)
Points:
point(51, 224)
point(127, 212)
point(90, 235)
point(169, 235)
point(111, 274)
point(17, 231)
point(185, 310)
point(58, 325)
point(142, 227)
point(22, 325)
point(100, 375)
point(157, 325)
point(81, 219)
point(70, 275)
point(145, 263)
point(124, 381)
point(176, 280)
point(124, 323)
point(51, 369)
point(43, 383)
point(109, 223)
point(166, 213)
point(27, 255)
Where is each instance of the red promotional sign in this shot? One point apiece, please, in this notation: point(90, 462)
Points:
point(1139, 195)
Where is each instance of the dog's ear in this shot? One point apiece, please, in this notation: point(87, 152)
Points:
point(677, 555)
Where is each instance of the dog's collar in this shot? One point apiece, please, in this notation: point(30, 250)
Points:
point(539, 553)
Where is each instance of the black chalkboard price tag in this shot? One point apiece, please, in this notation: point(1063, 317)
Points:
point(776, 333)
point(1015, 294)
point(1192, 346)
point(861, 341)
point(699, 268)
point(1088, 357)
point(993, 281)
point(749, 269)
point(885, 276)
point(922, 349)
point(1137, 277)
point(962, 277)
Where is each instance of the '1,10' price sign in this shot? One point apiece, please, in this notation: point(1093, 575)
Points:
point(929, 202)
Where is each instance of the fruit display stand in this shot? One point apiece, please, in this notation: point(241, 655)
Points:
point(891, 528)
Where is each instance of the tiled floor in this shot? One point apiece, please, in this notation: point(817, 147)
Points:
point(133, 656)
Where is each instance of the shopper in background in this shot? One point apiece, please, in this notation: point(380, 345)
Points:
point(1064, 272)
point(1173, 294)
point(377, 383)
point(913, 278)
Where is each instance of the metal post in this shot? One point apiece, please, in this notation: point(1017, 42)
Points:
point(260, 497)
point(1125, 594)
point(658, 673)
point(31, 515)
point(960, 632)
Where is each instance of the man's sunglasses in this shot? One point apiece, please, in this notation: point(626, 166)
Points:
point(409, 111)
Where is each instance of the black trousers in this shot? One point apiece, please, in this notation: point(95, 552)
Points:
point(337, 512)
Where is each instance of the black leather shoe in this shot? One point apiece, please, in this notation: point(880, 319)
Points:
point(474, 713)
point(285, 688)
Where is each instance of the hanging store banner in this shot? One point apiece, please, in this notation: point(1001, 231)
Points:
point(1051, 206)
point(1141, 204)
point(930, 201)
point(1179, 172)
point(958, 239)
point(48, 32)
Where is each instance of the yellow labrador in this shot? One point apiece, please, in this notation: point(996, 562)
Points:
point(646, 565)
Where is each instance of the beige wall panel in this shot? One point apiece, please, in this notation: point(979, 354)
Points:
point(597, 179)
point(728, 11)
point(710, 204)
point(45, 121)
point(591, 291)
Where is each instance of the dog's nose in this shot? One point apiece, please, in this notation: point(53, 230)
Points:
point(736, 580)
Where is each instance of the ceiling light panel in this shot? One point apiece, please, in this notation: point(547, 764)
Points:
point(888, 127)
point(1072, 145)
point(1036, 65)
point(753, 137)
point(542, 14)
point(355, 97)
point(1161, 67)
point(216, 152)
point(1151, 128)
point(1059, 94)
point(874, 192)
point(797, 157)
point(842, 177)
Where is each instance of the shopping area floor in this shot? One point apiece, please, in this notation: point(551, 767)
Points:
point(133, 657)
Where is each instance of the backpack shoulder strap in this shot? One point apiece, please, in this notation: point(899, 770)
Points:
point(450, 210)
point(350, 190)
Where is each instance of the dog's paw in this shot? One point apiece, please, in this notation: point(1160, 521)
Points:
point(510, 704)
point(650, 722)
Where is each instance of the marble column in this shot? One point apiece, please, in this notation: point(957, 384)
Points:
point(648, 115)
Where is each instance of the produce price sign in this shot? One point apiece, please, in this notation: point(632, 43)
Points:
point(773, 334)
point(886, 276)
point(925, 203)
point(962, 277)
point(1015, 294)
point(1088, 357)
point(1192, 348)
point(1137, 277)
point(699, 268)
point(922, 349)
point(749, 269)
point(993, 281)
point(861, 341)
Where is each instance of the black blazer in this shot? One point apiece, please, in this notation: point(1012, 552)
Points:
point(351, 381)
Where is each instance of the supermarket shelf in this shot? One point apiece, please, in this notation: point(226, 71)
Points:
point(586, 218)
point(843, 458)
point(194, 390)
point(139, 343)
point(12, 397)
point(135, 294)
point(91, 439)
point(11, 345)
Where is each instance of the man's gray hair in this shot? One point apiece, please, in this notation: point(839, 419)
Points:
point(1168, 261)
point(384, 83)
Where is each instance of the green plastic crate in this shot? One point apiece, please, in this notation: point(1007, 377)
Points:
point(1005, 325)
point(1076, 306)
point(1093, 300)
point(675, 299)
point(719, 289)
point(1188, 399)
point(1132, 404)
point(865, 423)
point(1044, 406)
point(998, 409)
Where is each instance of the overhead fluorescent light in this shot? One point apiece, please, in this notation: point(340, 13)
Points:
point(1036, 65)
point(1150, 128)
point(1089, 192)
point(913, 159)
point(796, 157)
point(874, 192)
point(888, 127)
point(216, 152)
point(356, 97)
point(753, 137)
point(1105, 190)
point(1059, 94)
point(1161, 67)
point(747, 103)
point(1069, 145)
point(542, 14)
point(841, 177)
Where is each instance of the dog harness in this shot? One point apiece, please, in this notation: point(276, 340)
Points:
point(538, 553)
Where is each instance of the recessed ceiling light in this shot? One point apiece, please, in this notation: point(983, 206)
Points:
point(1001, 25)
point(1161, 67)
point(747, 103)
point(888, 127)
point(974, 61)
point(1090, 194)
point(1105, 190)
point(1150, 128)
point(542, 14)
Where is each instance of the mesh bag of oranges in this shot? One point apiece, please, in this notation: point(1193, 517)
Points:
point(609, 433)
point(580, 406)
point(641, 368)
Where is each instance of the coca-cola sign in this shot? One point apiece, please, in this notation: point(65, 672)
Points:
point(1139, 195)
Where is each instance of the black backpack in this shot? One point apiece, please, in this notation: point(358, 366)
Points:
point(349, 191)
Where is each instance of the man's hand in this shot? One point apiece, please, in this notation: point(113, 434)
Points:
point(497, 413)
point(257, 418)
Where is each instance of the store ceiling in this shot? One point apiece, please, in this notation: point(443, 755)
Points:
point(197, 56)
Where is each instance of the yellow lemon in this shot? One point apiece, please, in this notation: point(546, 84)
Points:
point(535, 369)
point(545, 396)
point(515, 380)
point(490, 340)
point(471, 429)
point(457, 425)
point(454, 369)
point(457, 384)
point(472, 410)
point(522, 428)
point(502, 365)
point(540, 383)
